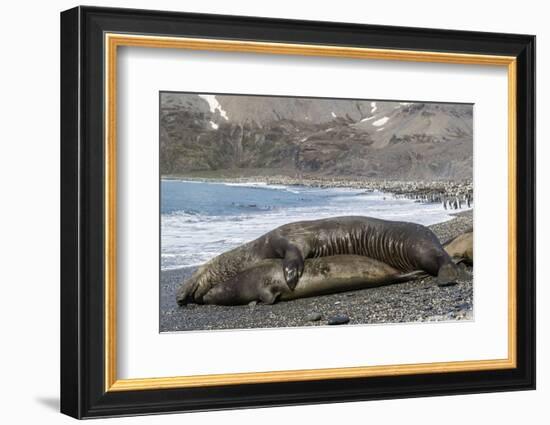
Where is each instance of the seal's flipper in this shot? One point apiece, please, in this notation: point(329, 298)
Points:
point(447, 273)
point(200, 292)
point(193, 289)
point(293, 266)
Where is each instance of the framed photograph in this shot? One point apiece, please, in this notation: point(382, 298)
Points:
point(261, 212)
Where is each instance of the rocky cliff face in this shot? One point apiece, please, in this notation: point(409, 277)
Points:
point(324, 137)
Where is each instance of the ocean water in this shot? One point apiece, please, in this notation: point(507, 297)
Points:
point(200, 220)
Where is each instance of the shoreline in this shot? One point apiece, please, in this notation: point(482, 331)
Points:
point(421, 300)
point(436, 191)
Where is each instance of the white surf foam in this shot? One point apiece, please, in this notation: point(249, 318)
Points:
point(192, 239)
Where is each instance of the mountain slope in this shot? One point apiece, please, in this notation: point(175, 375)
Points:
point(329, 137)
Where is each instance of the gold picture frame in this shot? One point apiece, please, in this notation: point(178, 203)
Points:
point(114, 41)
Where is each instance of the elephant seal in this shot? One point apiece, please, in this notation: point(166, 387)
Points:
point(266, 282)
point(405, 246)
point(461, 248)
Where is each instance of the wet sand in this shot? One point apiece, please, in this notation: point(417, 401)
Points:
point(413, 301)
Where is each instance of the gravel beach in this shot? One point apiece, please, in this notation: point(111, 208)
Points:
point(418, 300)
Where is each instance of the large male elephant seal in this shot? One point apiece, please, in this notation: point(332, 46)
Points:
point(266, 283)
point(405, 246)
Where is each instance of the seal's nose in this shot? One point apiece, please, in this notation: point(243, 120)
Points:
point(181, 298)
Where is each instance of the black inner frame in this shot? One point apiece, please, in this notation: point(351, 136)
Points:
point(82, 212)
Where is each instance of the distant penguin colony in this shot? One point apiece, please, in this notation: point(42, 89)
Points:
point(450, 201)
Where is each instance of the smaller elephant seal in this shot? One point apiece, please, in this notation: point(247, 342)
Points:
point(266, 282)
point(461, 248)
point(405, 246)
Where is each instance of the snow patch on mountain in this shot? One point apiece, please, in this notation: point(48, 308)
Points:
point(381, 121)
point(214, 105)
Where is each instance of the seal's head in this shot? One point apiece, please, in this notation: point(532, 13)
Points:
point(447, 273)
point(183, 295)
point(192, 289)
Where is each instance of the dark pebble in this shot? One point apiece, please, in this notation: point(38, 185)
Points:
point(444, 285)
point(338, 320)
